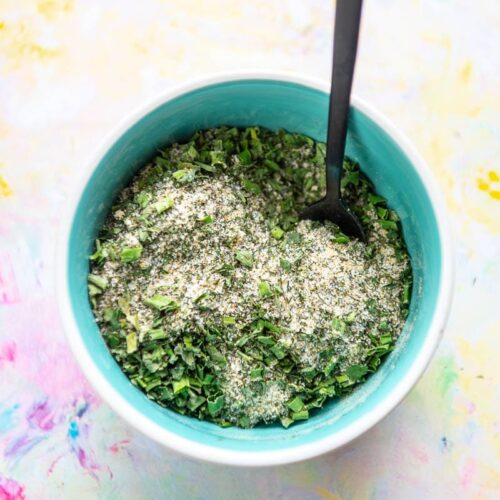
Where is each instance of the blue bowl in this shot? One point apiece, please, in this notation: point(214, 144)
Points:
point(272, 101)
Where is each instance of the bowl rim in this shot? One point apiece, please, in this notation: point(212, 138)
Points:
point(210, 453)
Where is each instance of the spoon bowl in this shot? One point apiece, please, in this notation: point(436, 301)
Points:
point(336, 211)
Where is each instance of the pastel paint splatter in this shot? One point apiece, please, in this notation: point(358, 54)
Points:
point(9, 418)
point(52, 466)
point(10, 489)
point(73, 431)
point(7, 353)
point(9, 291)
point(17, 448)
point(119, 445)
point(467, 473)
point(447, 376)
point(40, 416)
point(490, 184)
point(5, 189)
point(324, 494)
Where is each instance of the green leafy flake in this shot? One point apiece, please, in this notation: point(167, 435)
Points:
point(300, 415)
point(195, 402)
point(265, 289)
point(229, 320)
point(277, 233)
point(184, 176)
point(341, 238)
point(245, 157)
point(131, 342)
point(278, 351)
point(163, 205)
point(143, 198)
point(251, 187)
point(339, 325)
point(330, 367)
point(180, 385)
point(406, 293)
point(157, 334)
point(296, 404)
point(244, 257)
point(382, 212)
point(207, 219)
point(162, 303)
point(215, 406)
point(272, 165)
point(388, 224)
point(262, 339)
point(285, 265)
point(375, 199)
point(294, 238)
point(256, 374)
point(130, 254)
point(356, 372)
point(350, 318)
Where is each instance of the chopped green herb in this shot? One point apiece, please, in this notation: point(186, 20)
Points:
point(356, 372)
point(208, 219)
point(163, 205)
point(244, 257)
point(277, 233)
point(98, 281)
point(296, 404)
point(265, 289)
point(285, 264)
point(215, 406)
point(130, 254)
point(162, 303)
point(229, 320)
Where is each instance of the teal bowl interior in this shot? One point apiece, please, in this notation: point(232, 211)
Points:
point(272, 104)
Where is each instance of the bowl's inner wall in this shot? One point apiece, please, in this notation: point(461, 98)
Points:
point(296, 108)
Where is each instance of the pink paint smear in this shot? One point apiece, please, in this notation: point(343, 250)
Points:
point(9, 292)
point(40, 416)
point(10, 489)
point(7, 353)
point(119, 445)
point(468, 472)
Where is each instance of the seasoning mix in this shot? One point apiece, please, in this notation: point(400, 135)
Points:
point(217, 302)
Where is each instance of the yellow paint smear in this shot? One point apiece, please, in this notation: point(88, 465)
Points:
point(51, 8)
point(466, 72)
point(5, 189)
point(493, 176)
point(327, 495)
point(485, 185)
point(440, 40)
point(19, 44)
point(482, 185)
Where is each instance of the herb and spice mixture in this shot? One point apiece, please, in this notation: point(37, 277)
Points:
point(218, 303)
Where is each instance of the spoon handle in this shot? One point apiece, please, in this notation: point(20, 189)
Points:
point(347, 18)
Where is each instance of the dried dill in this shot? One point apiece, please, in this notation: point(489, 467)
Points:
point(218, 303)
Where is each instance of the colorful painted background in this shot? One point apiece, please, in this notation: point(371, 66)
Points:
point(70, 69)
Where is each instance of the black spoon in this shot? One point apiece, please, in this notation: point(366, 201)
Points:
point(331, 207)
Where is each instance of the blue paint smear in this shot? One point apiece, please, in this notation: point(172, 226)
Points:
point(8, 418)
point(19, 447)
point(82, 409)
point(73, 431)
